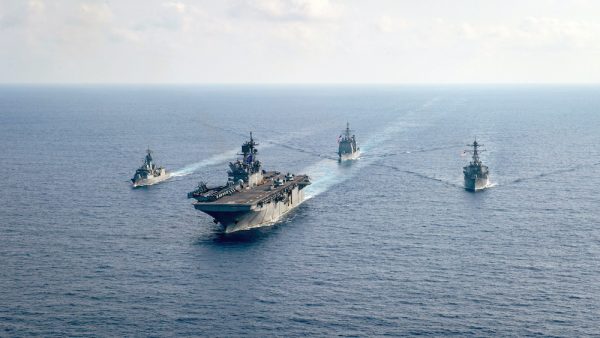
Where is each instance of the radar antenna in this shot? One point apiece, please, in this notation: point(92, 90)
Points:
point(249, 150)
point(148, 157)
point(347, 131)
point(475, 145)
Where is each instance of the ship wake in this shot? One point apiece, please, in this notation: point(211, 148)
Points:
point(549, 173)
point(492, 185)
point(213, 160)
point(326, 173)
point(225, 156)
point(420, 175)
point(421, 150)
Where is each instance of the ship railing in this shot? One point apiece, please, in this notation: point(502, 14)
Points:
point(217, 194)
point(279, 195)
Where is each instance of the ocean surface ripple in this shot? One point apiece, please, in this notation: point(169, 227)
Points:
point(387, 245)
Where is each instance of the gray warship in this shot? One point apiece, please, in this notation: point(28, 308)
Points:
point(252, 197)
point(347, 149)
point(476, 174)
point(149, 173)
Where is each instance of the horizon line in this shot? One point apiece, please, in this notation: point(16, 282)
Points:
point(299, 83)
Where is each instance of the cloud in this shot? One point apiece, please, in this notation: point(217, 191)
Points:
point(185, 19)
point(525, 34)
point(557, 33)
point(530, 33)
point(94, 14)
point(302, 38)
point(178, 6)
point(296, 40)
point(287, 10)
point(36, 5)
point(12, 14)
point(387, 24)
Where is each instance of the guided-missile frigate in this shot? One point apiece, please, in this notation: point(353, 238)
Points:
point(252, 197)
point(347, 149)
point(149, 173)
point(476, 174)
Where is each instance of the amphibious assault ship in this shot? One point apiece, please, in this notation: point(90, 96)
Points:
point(252, 196)
point(476, 174)
point(149, 173)
point(347, 149)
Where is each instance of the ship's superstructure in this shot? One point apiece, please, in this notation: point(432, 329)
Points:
point(476, 174)
point(251, 197)
point(149, 173)
point(347, 149)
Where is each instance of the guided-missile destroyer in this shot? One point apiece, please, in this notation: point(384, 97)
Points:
point(149, 173)
point(347, 149)
point(252, 197)
point(476, 174)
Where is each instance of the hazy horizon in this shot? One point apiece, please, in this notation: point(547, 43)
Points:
point(299, 84)
point(307, 42)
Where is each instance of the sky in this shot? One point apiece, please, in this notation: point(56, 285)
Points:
point(300, 41)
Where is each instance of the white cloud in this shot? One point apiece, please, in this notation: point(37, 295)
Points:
point(530, 33)
point(559, 33)
point(36, 5)
point(288, 9)
point(297, 40)
point(388, 24)
point(12, 14)
point(178, 6)
point(302, 38)
point(95, 13)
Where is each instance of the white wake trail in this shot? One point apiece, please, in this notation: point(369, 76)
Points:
point(213, 160)
point(230, 155)
point(327, 173)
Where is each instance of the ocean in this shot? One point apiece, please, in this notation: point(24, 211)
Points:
point(387, 245)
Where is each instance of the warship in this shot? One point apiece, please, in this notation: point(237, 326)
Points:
point(251, 197)
point(476, 174)
point(149, 173)
point(347, 149)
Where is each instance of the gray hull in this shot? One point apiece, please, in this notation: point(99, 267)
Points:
point(243, 216)
point(475, 184)
point(151, 180)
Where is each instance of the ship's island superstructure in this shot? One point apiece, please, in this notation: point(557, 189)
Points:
point(347, 149)
point(149, 173)
point(252, 196)
point(476, 174)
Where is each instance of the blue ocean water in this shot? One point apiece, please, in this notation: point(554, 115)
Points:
point(387, 245)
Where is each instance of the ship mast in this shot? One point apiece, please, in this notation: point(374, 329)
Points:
point(347, 131)
point(148, 159)
point(476, 151)
point(248, 169)
point(249, 150)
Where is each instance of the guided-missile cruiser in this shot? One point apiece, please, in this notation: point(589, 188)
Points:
point(252, 197)
point(149, 173)
point(476, 174)
point(347, 149)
